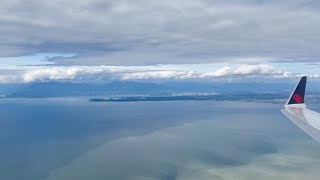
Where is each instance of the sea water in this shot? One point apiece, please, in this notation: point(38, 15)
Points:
point(72, 138)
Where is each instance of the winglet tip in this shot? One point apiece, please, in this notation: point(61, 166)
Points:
point(297, 96)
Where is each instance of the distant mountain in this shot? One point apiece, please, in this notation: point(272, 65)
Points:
point(6, 89)
point(116, 88)
point(63, 89)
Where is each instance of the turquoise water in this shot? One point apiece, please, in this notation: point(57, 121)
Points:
point(73, 138)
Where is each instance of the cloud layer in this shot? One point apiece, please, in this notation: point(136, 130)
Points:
point(107, 73)
point(142, 32)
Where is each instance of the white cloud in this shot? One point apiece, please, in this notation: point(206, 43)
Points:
point(245, 70)
point(160, 75)
point(103, 73)
point(68, 73)
point(317, 76)
point(107, 73)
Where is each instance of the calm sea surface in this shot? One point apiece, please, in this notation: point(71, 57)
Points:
point(72, 138)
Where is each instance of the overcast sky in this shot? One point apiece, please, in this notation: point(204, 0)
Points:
point(265, 37)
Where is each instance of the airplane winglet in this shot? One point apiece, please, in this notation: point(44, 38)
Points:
point(297, 96)
point(298, 113)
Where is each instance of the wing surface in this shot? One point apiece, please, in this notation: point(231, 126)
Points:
point(296, 110)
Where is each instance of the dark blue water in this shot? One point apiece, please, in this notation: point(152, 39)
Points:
point(73, 138)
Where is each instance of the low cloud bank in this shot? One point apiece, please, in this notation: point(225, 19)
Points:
point(102, 73)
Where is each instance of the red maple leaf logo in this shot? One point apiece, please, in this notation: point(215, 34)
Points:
point(297, 98)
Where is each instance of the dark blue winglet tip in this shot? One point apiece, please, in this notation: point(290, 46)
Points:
point(297, 96)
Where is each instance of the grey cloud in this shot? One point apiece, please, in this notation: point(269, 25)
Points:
point(159, 32)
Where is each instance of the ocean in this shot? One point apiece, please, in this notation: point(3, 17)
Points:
point(72, 138)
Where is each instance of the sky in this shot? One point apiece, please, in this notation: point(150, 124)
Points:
point(170, 39)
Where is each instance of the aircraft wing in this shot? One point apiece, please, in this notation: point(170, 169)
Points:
point(296, 110)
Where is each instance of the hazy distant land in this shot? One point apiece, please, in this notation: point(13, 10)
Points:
point(278, 98)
